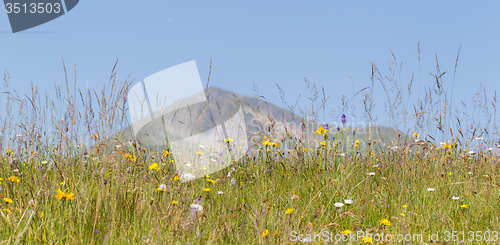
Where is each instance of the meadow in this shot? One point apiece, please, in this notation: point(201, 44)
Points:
point(439, 187)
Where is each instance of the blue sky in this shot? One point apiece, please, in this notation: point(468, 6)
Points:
point(266, 43)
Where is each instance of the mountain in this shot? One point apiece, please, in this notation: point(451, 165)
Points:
point(261, 118)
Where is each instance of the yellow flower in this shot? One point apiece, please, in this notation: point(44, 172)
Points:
point(346, 232)
point(275, 233)
point(154, 166)
point(289, 211)
point(229, 140)
point(41, 214)
point(323, 143)
point(321, 131)
point(7, 200)
point(266, 142)
point(176, 178)
point(303, 149)
point(265, 233)
point(61, 195)
point(207, 189)
point(464, 206)
point(210, 180)
point(199, 153)
point(367, 239)
point(174, 202)
point(166, 153)
point(6, 210)
point(415, 135)
point(14, 179)
point(404, 206)
point(402, 214)
point(357, 142)
point(385, 222)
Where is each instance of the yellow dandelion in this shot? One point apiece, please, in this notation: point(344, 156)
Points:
point(289, 211)
point(61, 195)
point(154, 166)
point(166, 153)
point(7, 200)
point(385, 222)
point(14, 179)
point(367, 239)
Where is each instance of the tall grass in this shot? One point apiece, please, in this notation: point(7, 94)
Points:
point(77, 142)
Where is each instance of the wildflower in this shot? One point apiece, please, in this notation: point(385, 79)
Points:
point(289, 211)
point(176, 178)
point(275, 233)
point(464, 206)
point(14, 179)
point(321, 131)
point(431, 189)
point(266, 143)
point(303, 149)
point(346, 232)
point(402, 214)
point(162, 187)
point(44, 162)
point(404, 206)
point(343, 120)
point(371, 173)
point(338, 204)
point(454, 198)
point(199, 153)
point(265, 233)
point(6, 210)
point(471, 153)
point(166, 153)
point(233, 181)
point(174, 202)
point(61, 195)
point(7, 200)
point(348, 201)
point(367, 239)
point(211, 180)
point(41, 214)
point(323, 143)
point(220, 192)
point(154, 166)
point(229, 140)
point(197, 207)
point(207, 189)
point(385, 222)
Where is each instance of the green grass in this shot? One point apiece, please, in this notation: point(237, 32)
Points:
point(116, 201)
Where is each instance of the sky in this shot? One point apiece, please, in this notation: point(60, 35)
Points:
point(265, 43)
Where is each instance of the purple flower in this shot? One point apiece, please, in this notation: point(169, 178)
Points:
point(343, 118)
point(338, 128)
point(267, 170)
point(325, 126)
